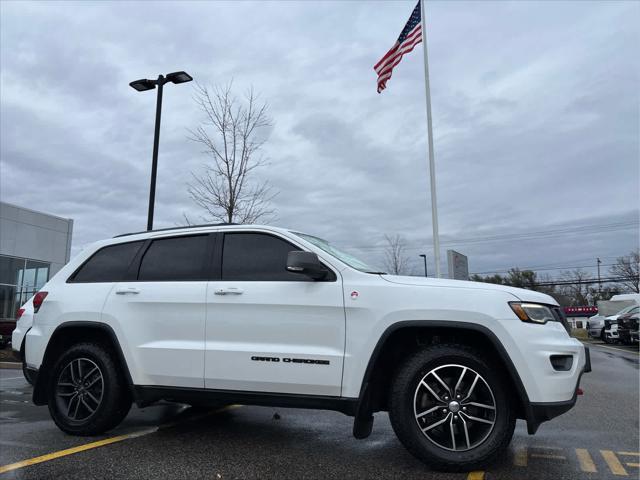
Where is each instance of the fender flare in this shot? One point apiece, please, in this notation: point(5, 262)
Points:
point(364, 413)
point(42, 380)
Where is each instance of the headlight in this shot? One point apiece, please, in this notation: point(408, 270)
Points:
point(532, 312)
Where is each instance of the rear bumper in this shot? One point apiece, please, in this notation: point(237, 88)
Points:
point(539, 413)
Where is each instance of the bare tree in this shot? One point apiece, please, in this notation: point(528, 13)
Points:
point(232, 134)
point(628, 269)
point(395, 259)
point(576, 290)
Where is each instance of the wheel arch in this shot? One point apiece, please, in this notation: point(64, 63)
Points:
point(402, 337)
point(65, 335)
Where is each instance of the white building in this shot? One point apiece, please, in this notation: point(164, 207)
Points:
point(33, 247)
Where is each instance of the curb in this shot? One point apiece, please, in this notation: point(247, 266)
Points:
point(11, 365)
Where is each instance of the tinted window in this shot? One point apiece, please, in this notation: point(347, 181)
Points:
point(257, 257)
point(179, 258)
point(108, 264)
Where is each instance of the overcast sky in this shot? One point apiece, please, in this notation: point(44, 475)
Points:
point(535, 114)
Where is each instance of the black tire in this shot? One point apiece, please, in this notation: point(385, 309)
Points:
point(111, 391)
point(406, 426)
point(602, 336)
point(27, 374)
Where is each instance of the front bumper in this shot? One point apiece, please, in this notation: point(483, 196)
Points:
point(543, 412)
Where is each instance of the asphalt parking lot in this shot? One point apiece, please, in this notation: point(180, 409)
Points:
point(597, 440)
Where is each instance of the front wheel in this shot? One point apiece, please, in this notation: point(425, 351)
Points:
point(451, 408)
point(88, 394)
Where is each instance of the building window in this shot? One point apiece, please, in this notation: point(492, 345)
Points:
point(20, 279)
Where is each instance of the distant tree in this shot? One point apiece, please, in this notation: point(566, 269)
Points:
point(576, 290)
point(395, 258)
point(497, 279)
point(602, 293)
point(628, 269)
point(232, 135)
point(521, 279)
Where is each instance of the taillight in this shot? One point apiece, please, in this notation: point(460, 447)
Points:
point(19, 313)
point(38, 299)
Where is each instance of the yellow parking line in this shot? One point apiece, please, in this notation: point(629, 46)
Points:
point(629, 464)
point(631, 454)
point(71, 451)
point(586, 462)
point(520, 458)
point(478, 475)
point(614, 464)
point(101, 443)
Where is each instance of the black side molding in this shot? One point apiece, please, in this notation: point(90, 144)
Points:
point(146, 395)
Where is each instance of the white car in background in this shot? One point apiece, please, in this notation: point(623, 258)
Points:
point(611, 331)
point(596, 325)
point(24, 321)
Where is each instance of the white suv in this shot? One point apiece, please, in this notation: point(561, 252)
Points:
point(266, 316)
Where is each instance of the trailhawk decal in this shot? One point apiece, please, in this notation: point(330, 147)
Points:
point(308, 361)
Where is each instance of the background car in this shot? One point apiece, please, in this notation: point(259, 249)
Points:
point(611, 331)
point(24, 321)
point(628, 327)
point(596, 324)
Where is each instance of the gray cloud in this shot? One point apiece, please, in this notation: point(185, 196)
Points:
point(535, 110)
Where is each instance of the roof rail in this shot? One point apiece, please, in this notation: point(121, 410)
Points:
point(174, 228)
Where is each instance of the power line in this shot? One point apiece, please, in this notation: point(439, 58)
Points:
point(559, 265)
point(542, 234)
point(568, 267)
point(587, 281)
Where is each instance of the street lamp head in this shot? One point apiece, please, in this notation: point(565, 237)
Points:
point(143, 84)
point(179, 77)
point(423, 255)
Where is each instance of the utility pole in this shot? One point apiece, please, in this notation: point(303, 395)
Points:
point(599, 282)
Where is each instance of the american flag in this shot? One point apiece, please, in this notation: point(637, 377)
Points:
point(411, 36)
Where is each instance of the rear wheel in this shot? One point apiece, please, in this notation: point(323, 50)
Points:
point(450, 408)
point(28, 375)
point(88, 394)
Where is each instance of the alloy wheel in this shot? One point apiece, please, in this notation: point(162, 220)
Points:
point(79, 389)
point(454, 407)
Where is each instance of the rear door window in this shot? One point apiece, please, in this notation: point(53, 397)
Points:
point(175, 259)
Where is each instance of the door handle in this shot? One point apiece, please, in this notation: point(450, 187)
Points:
point(229, 291)
point(126, 290)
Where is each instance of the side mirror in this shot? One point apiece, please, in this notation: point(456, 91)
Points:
point(306, 263)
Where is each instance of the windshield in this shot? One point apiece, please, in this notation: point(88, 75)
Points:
point(626, 310)
point(344, 257)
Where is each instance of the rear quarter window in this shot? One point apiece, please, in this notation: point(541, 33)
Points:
point(109, 264)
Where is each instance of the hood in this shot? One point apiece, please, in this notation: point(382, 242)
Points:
point(521, 294)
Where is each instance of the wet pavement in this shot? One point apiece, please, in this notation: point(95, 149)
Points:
point(598, 439)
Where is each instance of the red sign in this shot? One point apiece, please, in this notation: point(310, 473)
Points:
point(580, 311)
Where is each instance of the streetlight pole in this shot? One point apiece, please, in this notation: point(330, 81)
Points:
point(154, 162)
point(424, 257)
point(599, 282)
point(141, 86)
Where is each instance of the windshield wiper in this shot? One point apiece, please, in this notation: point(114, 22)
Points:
point(377, 273)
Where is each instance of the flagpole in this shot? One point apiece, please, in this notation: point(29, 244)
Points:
point(432, 166)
